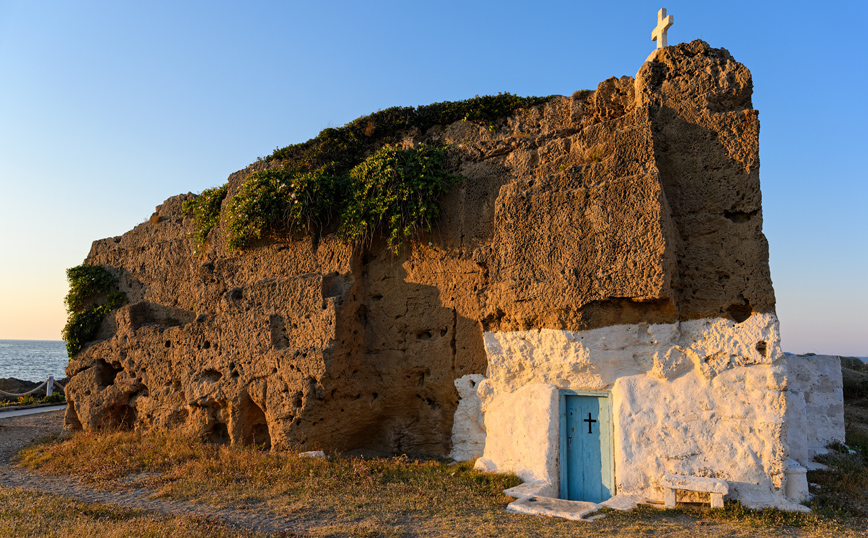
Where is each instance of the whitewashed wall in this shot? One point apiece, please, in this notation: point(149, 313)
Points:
point(815, 405)
point(704, 397)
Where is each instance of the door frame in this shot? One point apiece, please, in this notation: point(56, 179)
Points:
point(562, 419)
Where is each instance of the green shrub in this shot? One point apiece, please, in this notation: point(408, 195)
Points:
point(56, 397)
point(281, 198)
point(206, 211)
point(332, 175)
point(86, 284)
point(396, 191)
point(344, 147)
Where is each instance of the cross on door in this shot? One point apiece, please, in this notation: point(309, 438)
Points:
point(663, 24)
point(590, 421)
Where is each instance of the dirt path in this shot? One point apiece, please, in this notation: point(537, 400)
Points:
point(18, 432)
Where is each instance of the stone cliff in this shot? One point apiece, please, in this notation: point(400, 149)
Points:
point(636, 203)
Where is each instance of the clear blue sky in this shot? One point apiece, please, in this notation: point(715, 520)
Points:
point(108, 108)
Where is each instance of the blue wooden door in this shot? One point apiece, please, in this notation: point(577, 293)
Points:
point(586, 453)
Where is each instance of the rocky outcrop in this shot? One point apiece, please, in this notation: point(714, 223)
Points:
point(636, 203)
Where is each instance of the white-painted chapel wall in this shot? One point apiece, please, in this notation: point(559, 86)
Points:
point(704, 397)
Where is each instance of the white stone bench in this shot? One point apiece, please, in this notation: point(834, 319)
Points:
point(716, 488)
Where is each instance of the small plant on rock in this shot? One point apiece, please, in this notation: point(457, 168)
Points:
point(396, 191)
point(205, 209)
point(281, 198)
point(86, 284)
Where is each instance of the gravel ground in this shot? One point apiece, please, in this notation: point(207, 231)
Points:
point(18, 432)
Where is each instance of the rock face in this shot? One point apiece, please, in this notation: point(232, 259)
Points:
point(637, 203)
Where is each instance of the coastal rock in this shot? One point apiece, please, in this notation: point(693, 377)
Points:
point(638, 203)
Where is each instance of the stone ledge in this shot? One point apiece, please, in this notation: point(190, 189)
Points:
point(538, 504)
point(714, 487)
point(695, 483)
point(546, 506)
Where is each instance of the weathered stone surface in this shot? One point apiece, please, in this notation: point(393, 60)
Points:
point(554, 507)
point(639, 203)
point(815, 405)
point(468, 429)
point(596, 358)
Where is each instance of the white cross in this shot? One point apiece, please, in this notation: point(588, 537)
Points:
point(663, 24)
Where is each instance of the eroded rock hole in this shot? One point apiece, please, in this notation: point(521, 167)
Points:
point(168, 343)
point(105, 373)
point(71, 419)
point(218, 433)
point(254, 425)
point(277, 328)
point(739, 312)
point(424, 335)
point(119, 417)
point(206, 345)
point(211, 375)
point(235, 295)
point(762, 347)
point(739, 216)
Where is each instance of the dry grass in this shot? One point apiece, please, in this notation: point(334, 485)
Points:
point(842, 490)
point(25, 514)
point(101, 458)
point(376, 497)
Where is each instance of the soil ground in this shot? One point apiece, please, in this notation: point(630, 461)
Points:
point(18, 432)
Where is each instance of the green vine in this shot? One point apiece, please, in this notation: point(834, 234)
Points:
point(86, 284)
point(206, 211)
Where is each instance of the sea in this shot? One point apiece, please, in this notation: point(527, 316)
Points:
point(33, 360)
